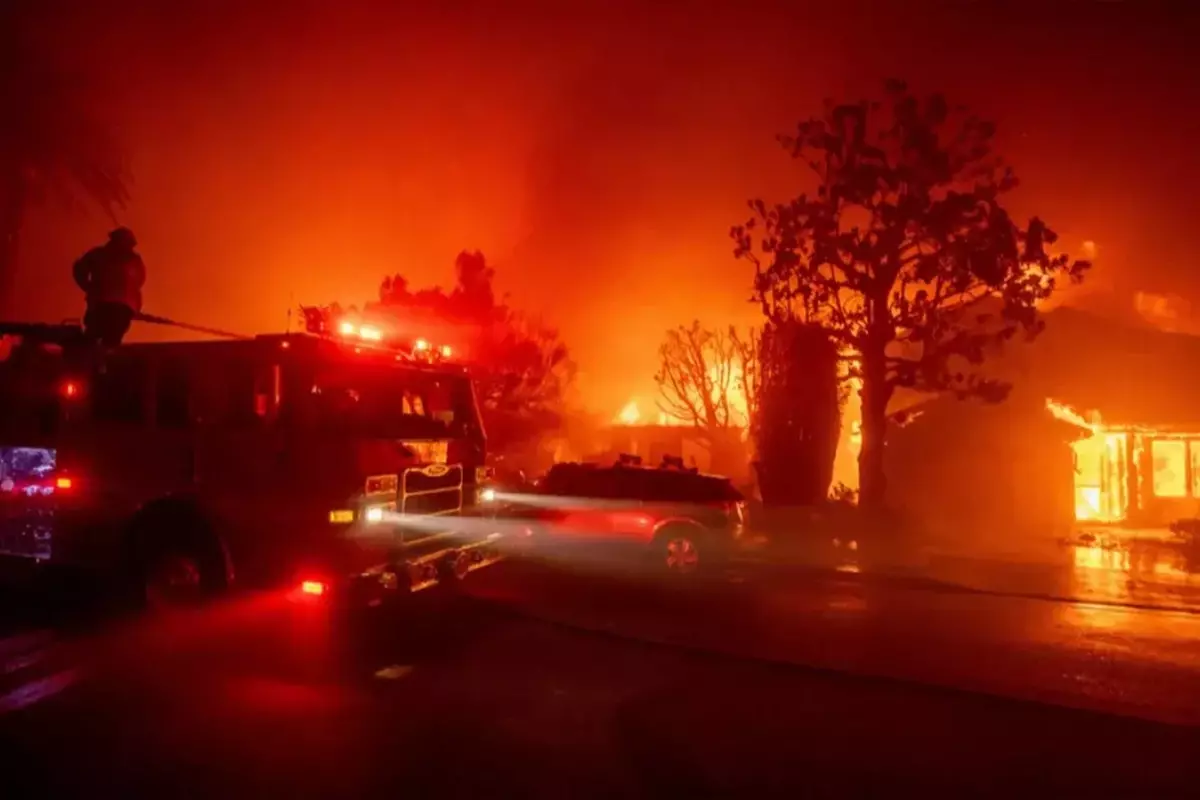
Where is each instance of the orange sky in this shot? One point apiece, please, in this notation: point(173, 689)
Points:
point(598, 160)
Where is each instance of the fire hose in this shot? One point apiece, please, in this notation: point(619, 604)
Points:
point(154, 320)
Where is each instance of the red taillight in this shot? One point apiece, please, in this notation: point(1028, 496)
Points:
point(313, 588)
point(70, 390)
point(63, 483)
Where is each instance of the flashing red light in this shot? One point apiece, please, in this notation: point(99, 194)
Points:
point(420, 345)
point(70, 389)
point(63, 483)
point(312, 588)
point(447, 351)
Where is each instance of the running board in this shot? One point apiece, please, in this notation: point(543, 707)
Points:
point(452, 564)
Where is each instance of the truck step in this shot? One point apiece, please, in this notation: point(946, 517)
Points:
point(452, 563)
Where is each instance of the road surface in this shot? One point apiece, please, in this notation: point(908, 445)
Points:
point(546, 682)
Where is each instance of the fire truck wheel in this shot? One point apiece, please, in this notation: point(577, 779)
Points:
point(679, 550)
point(177, 561)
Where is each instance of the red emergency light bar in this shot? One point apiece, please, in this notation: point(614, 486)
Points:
point(320, 322)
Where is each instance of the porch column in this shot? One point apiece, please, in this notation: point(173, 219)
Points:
point(1133, 469)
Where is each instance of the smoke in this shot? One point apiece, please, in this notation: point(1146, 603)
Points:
point(1167, 312)
point(590, 170)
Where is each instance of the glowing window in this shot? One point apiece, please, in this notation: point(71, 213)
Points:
point(1170, 458)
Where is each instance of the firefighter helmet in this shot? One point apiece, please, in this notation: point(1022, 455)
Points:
point(123, 237)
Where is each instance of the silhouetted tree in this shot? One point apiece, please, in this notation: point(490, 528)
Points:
point(800, 414)
point(903, 234)
point(54, 143)
point(520, 367)
point(708, 379)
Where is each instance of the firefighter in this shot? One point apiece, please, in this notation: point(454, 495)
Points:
point(111, 276)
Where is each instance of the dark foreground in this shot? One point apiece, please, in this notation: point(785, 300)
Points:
point(482, 696)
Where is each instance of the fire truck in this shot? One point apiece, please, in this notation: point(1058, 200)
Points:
point(330, 462)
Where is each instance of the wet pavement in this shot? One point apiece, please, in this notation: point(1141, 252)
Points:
point(1146, 571)
point(1106, 657)
point(1149, 575)
point(553, 679)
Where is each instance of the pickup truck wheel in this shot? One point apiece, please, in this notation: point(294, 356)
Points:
point(679, 551)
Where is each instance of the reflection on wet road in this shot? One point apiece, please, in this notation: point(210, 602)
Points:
point(260, 693)
point(1107, 657)
point(1143, 573)
point(1003, 636)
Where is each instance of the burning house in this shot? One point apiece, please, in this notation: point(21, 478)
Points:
point(651, 437)
point(1102, 427)
point(652, 442)
point(1132, 393)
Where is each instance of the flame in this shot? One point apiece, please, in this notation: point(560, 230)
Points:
point(739, 409)
point(845, 462)
point(732, 384)
point(1101, 468)
point(630, 414)
point(1065, 413)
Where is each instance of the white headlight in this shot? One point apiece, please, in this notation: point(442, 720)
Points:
point(374, 514)
point(487, 496)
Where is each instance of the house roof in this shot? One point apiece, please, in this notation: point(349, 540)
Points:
point(1130, 374)
point(1020, 415)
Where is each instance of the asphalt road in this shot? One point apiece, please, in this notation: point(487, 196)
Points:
point(551, 680)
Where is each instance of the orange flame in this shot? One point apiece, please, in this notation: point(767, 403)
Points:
point(1065, 413)
point(630, 414)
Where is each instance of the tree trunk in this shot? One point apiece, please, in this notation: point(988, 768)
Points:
point(872, 479)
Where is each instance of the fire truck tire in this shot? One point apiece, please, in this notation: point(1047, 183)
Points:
point(176, 559)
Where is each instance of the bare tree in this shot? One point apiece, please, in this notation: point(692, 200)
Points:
point(748, 368)
point(709, 379)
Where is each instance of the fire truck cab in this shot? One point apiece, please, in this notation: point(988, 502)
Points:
point(293, 460)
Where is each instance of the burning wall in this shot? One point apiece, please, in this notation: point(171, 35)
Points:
point(1136, 474)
